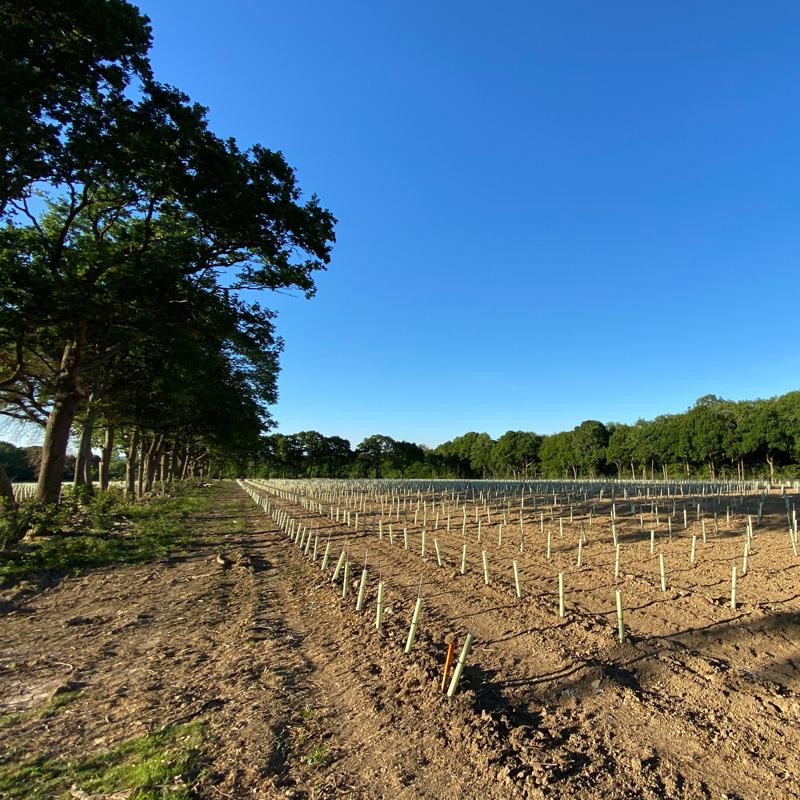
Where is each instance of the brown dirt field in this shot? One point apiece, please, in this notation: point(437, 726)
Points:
point(304, 698)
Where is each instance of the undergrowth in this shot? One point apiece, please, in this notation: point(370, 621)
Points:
point(95, 530)
point(166, 763)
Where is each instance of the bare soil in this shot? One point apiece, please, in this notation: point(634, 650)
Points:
point(303, 697)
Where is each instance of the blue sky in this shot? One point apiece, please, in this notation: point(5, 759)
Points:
point(548, 212)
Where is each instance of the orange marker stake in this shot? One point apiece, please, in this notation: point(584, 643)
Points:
point(448, 662)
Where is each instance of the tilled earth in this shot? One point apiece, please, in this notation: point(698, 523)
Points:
point(305, 698)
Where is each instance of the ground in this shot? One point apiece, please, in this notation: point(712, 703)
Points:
point(245, 656)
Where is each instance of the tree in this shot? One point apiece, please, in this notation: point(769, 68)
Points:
point(58, 58)
point(620, 450)
point(789, 415)
point(559, 456)
point(766, 432)
point(517, 453)
point(709, 423)
point(403, 455)
point(374, 450)
point(589, 440)
point(155, 212)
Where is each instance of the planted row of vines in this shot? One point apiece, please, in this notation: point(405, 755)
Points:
point(596, 553)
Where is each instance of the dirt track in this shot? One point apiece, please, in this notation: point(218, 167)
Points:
point(306, 699)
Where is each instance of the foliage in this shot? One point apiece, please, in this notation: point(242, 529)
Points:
point(152, 229)
point(58, 59)
point(104, 529)
point(714, 437)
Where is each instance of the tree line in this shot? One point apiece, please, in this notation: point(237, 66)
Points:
point(715, 438)
point(130, 236)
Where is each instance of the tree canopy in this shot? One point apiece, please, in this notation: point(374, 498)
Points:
point(148, 230)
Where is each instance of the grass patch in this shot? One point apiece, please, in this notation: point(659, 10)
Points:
point(9, 720)
point(317, 756)
point(58, 701)
point(109, 530)
point(165, 763)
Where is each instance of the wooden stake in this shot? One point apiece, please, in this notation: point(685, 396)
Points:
point(448, 662)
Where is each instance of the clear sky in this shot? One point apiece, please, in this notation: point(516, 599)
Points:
point(548, 212)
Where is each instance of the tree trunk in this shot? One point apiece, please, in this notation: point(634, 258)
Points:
point(83, 463)
point(180, 467)
point(54, 450)
point(166, 474)
point(157, 469)
point(130, 464)
point(771, 462)
point(142, 460)
point(66, 399)
point(105, 460)
point(6, 490)
point(151, 462)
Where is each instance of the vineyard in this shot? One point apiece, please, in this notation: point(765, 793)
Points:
point(628, 638)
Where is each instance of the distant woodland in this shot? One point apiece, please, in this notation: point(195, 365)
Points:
point(715, 438)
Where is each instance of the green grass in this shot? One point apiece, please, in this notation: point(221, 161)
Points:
point(162, 764)
point(317, 757)
point(160, 527)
